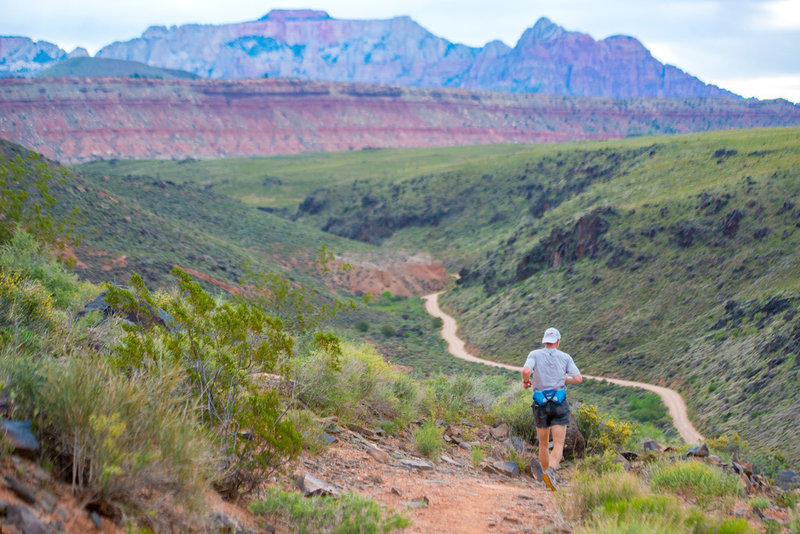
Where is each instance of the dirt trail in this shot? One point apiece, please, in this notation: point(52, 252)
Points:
point(672, 399)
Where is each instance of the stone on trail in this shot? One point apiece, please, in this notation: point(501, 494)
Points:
point(21, 490)
point(535, 469)
point(500, 431)
point(446, 459)
point(25, 520)
point(509, 469)
point(420, 465)
point(379, 455)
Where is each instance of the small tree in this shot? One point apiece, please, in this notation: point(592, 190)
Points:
point(26, 201)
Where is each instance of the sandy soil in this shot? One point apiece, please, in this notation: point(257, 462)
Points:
point(672, 399)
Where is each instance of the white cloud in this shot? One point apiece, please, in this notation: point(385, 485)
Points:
point(780, 15)
point(769, 87)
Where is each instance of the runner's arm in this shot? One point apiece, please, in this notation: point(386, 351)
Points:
point(526, 377)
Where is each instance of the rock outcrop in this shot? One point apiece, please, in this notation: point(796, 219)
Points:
point(73, 120)
point(22, 57)
point(310, 45)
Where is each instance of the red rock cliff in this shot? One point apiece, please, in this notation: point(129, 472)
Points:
point(73, 120)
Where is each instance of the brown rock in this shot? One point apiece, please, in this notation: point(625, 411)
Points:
point(379, 455)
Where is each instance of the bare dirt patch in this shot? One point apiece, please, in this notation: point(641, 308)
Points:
point(406, 275)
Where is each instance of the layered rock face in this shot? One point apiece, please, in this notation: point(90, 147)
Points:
point(310, 45)
point(22, 57)
point(79, 119)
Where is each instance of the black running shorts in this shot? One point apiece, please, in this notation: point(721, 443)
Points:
point(551, 414)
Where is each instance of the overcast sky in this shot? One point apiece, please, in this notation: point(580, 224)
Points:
point(751, 47)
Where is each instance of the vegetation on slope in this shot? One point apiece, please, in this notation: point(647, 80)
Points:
point(672, 259)
point(95, 389)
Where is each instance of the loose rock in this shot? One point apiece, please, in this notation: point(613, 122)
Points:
point(25, 520)
point(312, 486)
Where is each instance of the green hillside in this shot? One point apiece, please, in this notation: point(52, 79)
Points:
point(669, 259)
point(96, 67)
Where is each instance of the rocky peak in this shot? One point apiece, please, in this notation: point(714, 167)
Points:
point(284, 15)
point(543, 31)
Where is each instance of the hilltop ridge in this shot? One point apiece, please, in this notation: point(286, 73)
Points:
point(311, 45)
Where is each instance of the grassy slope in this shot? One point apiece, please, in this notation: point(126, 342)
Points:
point(658, 310)
point(668, 297)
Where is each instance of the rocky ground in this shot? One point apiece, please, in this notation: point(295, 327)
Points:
point(449, 495)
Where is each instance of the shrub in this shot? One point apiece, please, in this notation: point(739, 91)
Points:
point(794, 526)
point(25, 199)
point(454, 397)
point(429, 439)
point(119, 437)
point(648, 408)
point(388, 330)
point(356, 385)
point(477, 455)
point(601, 431)
point(349, 514)
point(591, 491)
point(695, 480)
point(25, 254)
point(221, 348)
point(515, 409)
point(362, 326)
point(25, 302)
point(600, 464)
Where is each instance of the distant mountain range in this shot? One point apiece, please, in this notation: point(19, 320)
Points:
point(310, 45)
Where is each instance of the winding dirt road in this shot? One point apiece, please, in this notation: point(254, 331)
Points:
point(672, 399)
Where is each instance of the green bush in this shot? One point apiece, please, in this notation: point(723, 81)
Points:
point(591, 491)
point(23, 253)
point(601, 431)
point(453, 397)
point(25, 303)
point(515, 409)
point(695, 481)
point(794, 526)
point(600, 464)
point(429, 439)
point(362, 326)
point(26, 202)
point(349, 514)
point(116, 435)
point(477, 456)
point(361, 384)
point(221, 347)
point(648, 408)
point(388, 330)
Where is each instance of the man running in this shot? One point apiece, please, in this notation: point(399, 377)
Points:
point(551, 370)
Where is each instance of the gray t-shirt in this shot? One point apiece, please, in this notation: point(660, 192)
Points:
point(550, 368)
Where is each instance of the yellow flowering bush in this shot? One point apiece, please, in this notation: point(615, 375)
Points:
point(601, 431)
point(24, 301)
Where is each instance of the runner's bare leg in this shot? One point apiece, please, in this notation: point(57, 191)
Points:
point(559, 435)
point(544, 443)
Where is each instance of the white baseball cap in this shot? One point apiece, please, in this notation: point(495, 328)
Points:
point(551, 335)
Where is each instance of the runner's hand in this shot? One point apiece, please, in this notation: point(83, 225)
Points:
point(526, 383)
